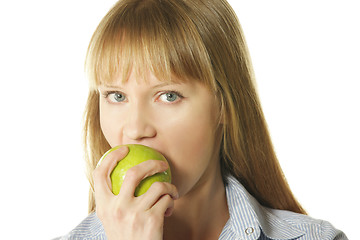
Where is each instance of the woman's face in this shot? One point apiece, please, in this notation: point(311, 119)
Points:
point(180, 120)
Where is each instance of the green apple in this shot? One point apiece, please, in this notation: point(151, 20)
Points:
point(137, 154)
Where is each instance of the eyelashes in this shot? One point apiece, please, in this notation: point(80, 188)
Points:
point(114, 96)
point(168, 97)
point(171, 96)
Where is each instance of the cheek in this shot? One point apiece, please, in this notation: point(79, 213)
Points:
point(110, 125)
point(195, 137)
point(191, 143)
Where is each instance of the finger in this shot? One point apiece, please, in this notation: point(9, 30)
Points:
point(101, 175)
point(156, 191)
point(164, 206)
point(137, 173)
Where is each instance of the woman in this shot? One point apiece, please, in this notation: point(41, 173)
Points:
point(176, 75)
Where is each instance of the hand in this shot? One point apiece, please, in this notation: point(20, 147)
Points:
point(125, 216)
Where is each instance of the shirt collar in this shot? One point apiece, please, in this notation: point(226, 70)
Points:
point(248, 219)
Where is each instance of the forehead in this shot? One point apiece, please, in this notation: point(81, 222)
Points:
point(144, 77)
point(152, 39)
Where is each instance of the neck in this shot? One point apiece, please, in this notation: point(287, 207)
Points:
point(205, 217)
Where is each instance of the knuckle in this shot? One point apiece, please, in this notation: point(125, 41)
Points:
point(131, 174)
point(154, 221)
point(155, 163)
point(96, 173)
point(109, 214)
point(137, 216)
point(159, 187)
point(167, 198)
point(117, 215)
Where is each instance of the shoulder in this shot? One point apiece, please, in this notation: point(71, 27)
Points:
point(312, 228)
point(247, 215)
point(89, 229)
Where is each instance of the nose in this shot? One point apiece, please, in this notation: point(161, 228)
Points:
point(138, 124)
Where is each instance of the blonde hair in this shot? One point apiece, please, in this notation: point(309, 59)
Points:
point(193, 40)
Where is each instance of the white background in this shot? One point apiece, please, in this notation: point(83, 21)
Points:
point(306, 60)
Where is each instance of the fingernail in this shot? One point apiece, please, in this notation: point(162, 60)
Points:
point(168, 212)
point(164, 165)
point(177, 196)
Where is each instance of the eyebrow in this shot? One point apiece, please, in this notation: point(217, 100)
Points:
point(163, 84)
point(108, 85)
point(166, 84)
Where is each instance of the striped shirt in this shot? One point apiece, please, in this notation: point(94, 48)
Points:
point(248, 221)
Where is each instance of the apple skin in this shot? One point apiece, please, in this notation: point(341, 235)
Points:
point(137, 154)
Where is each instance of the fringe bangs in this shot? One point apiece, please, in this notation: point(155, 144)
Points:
point(159, 38)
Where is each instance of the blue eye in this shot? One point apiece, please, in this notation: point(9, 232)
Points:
point(115, 97)
point(170, 96)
